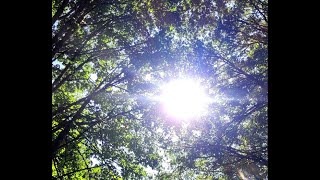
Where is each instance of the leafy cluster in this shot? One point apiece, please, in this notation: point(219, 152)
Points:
point(109, 59)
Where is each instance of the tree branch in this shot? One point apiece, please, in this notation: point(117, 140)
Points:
point(67, 174)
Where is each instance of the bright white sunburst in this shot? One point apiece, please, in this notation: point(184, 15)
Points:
point(184, 99)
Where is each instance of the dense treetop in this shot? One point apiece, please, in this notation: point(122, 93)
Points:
point(110, 60)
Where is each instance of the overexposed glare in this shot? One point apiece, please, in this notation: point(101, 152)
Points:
point(93, 77)
point(184, 99)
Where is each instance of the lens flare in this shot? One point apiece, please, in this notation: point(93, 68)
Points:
point(184, 99)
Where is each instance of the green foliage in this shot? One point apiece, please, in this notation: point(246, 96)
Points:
point(135, 46)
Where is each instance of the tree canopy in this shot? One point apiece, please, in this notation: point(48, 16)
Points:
point(110, 59)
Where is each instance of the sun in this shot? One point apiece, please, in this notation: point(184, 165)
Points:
point(184, 99)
